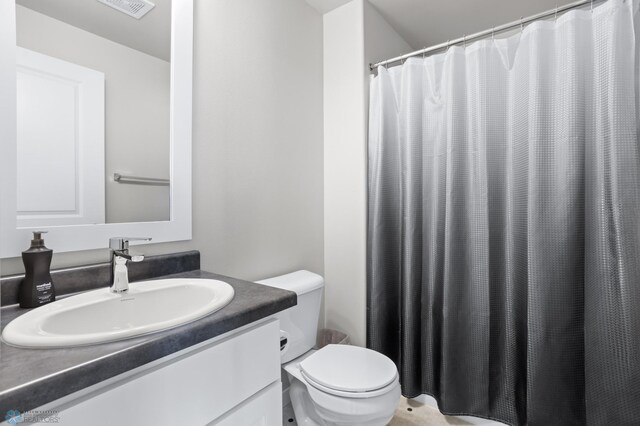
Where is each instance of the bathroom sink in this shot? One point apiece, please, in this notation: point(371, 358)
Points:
point(101, 316)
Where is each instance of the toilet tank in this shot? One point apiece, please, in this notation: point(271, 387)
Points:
point(298, 324)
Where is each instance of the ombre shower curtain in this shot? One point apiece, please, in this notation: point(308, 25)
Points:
point(504, 222)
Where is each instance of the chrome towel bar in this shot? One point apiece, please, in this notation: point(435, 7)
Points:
point(137, 180)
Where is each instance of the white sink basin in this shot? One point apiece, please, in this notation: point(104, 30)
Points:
point(101, 316)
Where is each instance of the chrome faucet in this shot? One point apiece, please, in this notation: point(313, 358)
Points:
point(120, 254)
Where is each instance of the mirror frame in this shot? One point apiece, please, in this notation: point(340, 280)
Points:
point(14, 240)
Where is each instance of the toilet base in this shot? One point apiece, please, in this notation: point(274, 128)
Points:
point(359, 412)
point(303, 406)
point(314, 407)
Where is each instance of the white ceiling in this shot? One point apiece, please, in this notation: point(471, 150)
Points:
point(420, 22)
point(424, 23)
point(324, 6)
point(151, 34)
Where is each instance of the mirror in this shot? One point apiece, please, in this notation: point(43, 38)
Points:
point(101, 131)
point(93, 88)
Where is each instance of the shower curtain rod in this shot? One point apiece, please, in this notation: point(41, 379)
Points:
point(492, 31)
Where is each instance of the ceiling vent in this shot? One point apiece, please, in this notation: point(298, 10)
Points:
point(135, 8)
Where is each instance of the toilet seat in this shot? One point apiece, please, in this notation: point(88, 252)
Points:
point(350, 394)
point(349, 371)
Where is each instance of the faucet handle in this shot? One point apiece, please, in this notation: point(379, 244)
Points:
point(122, 243)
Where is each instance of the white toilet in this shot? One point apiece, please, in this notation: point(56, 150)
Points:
point(338, 384)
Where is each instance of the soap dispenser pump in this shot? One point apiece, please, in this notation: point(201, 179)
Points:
point(37, 287)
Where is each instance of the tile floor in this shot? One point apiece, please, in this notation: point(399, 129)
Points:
point(408, 413)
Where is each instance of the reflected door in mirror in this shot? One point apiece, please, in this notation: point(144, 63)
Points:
point(60, 109)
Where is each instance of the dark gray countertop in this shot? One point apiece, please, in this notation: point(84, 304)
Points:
point(30, 378)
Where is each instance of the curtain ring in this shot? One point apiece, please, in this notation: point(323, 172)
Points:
point(521, 25)
point(424, 52)
point(448, 45)
point(591, 6)
point(556, 12)
point(493, 33)
point(464, 41)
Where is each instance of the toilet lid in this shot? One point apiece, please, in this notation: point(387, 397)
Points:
point(349, 368)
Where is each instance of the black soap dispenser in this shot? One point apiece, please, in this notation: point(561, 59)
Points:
point(37, 287)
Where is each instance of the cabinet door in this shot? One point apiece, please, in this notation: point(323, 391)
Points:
point(263, 409)
point(194, 389)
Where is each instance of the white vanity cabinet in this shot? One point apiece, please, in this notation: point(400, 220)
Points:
point(233, 379)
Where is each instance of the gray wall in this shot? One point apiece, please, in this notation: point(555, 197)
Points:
point(354, 35)
point(257, 141)
point(258, 132)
